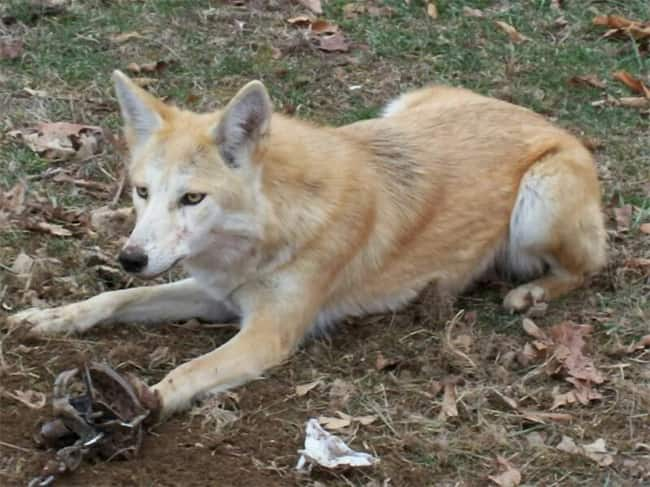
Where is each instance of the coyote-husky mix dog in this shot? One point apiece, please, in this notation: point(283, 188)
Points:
point(290, 226)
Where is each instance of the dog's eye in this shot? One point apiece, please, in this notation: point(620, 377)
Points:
point(142, 192)
point(192, 198)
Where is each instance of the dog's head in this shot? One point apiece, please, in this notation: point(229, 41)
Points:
point(196, 177)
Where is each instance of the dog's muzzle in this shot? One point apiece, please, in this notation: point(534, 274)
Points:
point(133, 259)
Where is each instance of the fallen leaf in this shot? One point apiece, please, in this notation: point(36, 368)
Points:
point(353, 10)
point(313, 5)
point(51, 228)
point(448, 409)
point(432, 10)
point(300, 21)
point(568, 352)
point(510, 477)
point(623, 217)
point(584, 396)
point(637, 263)
point(333, 43)
point(323, 27)
point(153, 67)
point(61, 141)
point(533, 330)
point(635, 84)
point(473, 12)
point(332, 423)
point(622, 26)
point(159, 356)
point(588, 80)
point(596, 451)
point(125, 37)
point(22, 264)
point(36, 93)
point(10, 48)
point(112, 221)
point(645, 228)
point(567, 444)
point(303, 389)
point(633, 102)
point(514, 34)
point(382, 363)
point(365, 420)
point(340, 392)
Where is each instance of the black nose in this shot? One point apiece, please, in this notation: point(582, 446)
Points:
point(133, 259)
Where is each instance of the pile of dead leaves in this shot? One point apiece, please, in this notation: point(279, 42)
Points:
point(39, 214)
point(60, 141)
point(561, 349)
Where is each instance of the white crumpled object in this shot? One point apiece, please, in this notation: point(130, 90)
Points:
point(329, 451)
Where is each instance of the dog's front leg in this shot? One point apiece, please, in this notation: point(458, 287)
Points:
point(166, 302)
point(268, 336)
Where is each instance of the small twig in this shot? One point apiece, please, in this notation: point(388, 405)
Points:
point(120, 189)
point(15, 447)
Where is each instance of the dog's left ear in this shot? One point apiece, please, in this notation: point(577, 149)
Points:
point(244, 122)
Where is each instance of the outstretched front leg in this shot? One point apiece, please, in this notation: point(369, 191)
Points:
point(273, 325)
point(166, 302)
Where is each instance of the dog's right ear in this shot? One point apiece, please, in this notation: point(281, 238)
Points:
point(141, 112)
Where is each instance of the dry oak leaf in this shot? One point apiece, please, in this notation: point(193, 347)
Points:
point(596, 451)
point(313, 5)
point(125, 37)
point(432, 10)
point(623, 216)
point(473, 12)
point(588, 80)
point(300, 21)
point(10, 48)
point(619, 25)
point(510, 477)
point(153, 67)
point(635, 84)
point(333, 43)
point(514, 34)
point(633, 102)
point(303, 389)
point(323, 27)
point(568, 338)
point(449, 409)
point(61, 141)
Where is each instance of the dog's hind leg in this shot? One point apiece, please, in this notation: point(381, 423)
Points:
point(556, 224)
point(167, 302)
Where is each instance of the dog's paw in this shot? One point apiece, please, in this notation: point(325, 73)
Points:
point(523, 297)
point(38, 322)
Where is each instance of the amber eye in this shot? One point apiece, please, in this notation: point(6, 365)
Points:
point(192, 198)
point(142, 192)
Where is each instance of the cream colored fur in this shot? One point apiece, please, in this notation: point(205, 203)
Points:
point(302, 225)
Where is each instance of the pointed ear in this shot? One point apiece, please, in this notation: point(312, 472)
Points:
point(245, 120)
point(141, 112)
